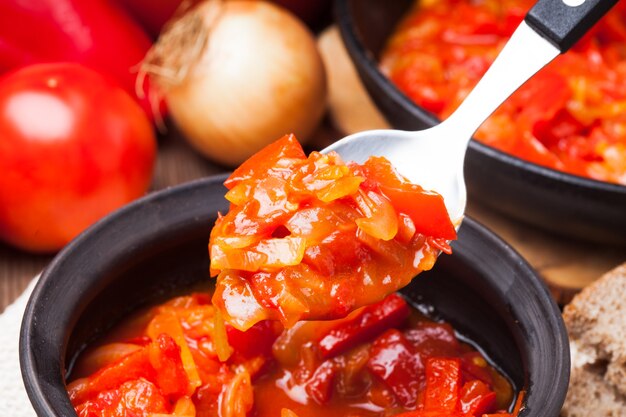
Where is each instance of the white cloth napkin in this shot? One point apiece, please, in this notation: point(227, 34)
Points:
point(13, 399)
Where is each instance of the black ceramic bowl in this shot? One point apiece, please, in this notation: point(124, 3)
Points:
point(157, 246)
point(566, 204)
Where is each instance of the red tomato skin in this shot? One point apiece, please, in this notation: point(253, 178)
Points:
point(94, 33)
point(73, 147)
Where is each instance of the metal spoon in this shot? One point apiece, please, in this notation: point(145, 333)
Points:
point(433, 158)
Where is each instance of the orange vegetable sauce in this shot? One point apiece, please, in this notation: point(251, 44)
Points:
point(571, 116)
point(379, 361)
point(315, 238)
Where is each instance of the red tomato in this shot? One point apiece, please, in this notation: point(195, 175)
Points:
point(94, 33)
point(73, 147)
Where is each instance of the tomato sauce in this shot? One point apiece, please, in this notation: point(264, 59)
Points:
point(570, 117)
point(180, 359)
point(315, 238)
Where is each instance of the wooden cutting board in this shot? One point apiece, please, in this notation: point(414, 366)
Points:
point(566, 265)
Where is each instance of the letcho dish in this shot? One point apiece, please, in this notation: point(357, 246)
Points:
point(305, 238)
point(315, 238)
point(179, 360)
point(569, 117)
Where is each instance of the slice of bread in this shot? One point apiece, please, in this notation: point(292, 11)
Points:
point(596, 323)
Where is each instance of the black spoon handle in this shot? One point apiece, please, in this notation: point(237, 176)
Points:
point(562, 23)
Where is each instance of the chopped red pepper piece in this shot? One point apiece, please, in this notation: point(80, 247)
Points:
point(476, 398)
point(425, 208)
point(400, 369)
point(267, 158)
point(370, 322)
point(320, 385)
point(165, 358)
point(443, 380)
point(255, 341)
point(433, 339)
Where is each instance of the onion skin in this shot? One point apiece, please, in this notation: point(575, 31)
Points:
point(260, 77)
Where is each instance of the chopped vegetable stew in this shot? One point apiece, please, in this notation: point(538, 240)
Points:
point(180, 359)
point(571, 116)
point(315, 238)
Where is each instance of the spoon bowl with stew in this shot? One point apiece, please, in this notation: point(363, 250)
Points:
point(433, 158)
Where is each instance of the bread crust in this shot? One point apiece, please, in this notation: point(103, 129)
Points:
point(596, 324)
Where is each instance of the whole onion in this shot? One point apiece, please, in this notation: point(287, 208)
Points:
point(237, 75)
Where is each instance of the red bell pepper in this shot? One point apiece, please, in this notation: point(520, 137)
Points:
point(394, 363)
point(425, 208)
point(267, 158)
point(320, 385)
point(255, 341)
point(444, 396)
point(443, 380)
point(476, 398)
point(371, 321)
point(433, 339)
point(94, 33)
